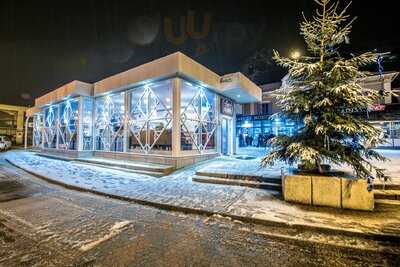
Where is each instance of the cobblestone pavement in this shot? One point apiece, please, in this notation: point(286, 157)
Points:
point(46, 225)
point(178, 190)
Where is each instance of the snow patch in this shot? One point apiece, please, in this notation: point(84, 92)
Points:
point(117, 228)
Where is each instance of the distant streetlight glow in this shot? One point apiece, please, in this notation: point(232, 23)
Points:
point(295, 54)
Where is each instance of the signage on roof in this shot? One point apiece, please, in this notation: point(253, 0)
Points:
point(230, 78)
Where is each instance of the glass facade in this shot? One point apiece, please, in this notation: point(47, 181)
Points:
point(68, 124)
point(138, 120)
point(50, 126)
point(109, 122)
point(391, 131)
point(150, 117)
point(87, 123)
point(37, 129)
point(141, 120)
point(60, 125)
point(395, 129)
point(256, 130)
point(198, 118)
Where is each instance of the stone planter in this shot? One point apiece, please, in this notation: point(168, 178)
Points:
point(337, 192)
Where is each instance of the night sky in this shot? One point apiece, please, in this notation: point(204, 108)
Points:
point(44, 44)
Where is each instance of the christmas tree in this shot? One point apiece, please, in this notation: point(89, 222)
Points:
point(317, 91)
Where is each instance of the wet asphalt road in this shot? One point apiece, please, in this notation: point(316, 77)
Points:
point(46, 225)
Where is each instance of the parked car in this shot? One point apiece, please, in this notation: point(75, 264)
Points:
point(5, 143)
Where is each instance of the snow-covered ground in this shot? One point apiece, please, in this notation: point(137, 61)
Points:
point(178, 189)
point(235, 166)
point(238, 166)
point(252, 151)
point(391, 166)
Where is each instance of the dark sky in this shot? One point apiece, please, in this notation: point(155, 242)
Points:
point(44, 44)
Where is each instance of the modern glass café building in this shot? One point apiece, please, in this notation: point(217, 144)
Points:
point(170, 111)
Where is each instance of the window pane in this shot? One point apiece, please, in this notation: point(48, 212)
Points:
point(109, 122)
point(396, 129)
point(150, 117)
point(68, 123)
point(37, 129)
point(198, 117)
point(87, 123)
point(50, 129)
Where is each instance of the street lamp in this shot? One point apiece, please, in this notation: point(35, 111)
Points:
point(295, 55)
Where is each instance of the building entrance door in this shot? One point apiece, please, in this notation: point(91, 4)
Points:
point(226, 136)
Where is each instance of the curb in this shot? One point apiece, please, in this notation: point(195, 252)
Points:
point(168, 207)
point(225, 181)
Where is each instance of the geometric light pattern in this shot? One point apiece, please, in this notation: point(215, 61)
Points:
point(150, 116)
point(87, 123)
point(149, 120)
point(109, 122)
point(68, 124)
point(198, 118)
point(50, 127)
point(37, 129)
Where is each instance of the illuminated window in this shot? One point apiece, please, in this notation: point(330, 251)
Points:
point(37, 129)
point(50, 126)
point(87, 123)
point(150, 117)
point(68, 124)
point(198, 118)
point(396, 129)
point(109, 122)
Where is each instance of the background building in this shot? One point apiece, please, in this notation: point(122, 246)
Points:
point(255, 126)
point(12, 122)
point(386, 113)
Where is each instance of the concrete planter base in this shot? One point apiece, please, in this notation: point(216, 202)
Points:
point(328, 191)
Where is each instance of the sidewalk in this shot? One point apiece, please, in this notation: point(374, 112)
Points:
point(178, 192)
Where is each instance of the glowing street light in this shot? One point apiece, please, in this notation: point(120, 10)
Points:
point(295, 55)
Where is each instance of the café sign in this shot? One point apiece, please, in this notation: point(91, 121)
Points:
point(226, 106)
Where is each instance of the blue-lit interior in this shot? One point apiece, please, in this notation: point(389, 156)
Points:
point(87, 123)
point(150, 118)
point(256, 131)
point(50, 126)
point(68, 124)
point(37, 129)
point(198, 118)
point(109, 122)
point(136, 120)
point(60, 125)
point(391, 133)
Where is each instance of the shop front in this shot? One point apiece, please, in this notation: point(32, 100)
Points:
point(257, 130)
point(391, 133)
point(387, 118)
point(171, 111)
